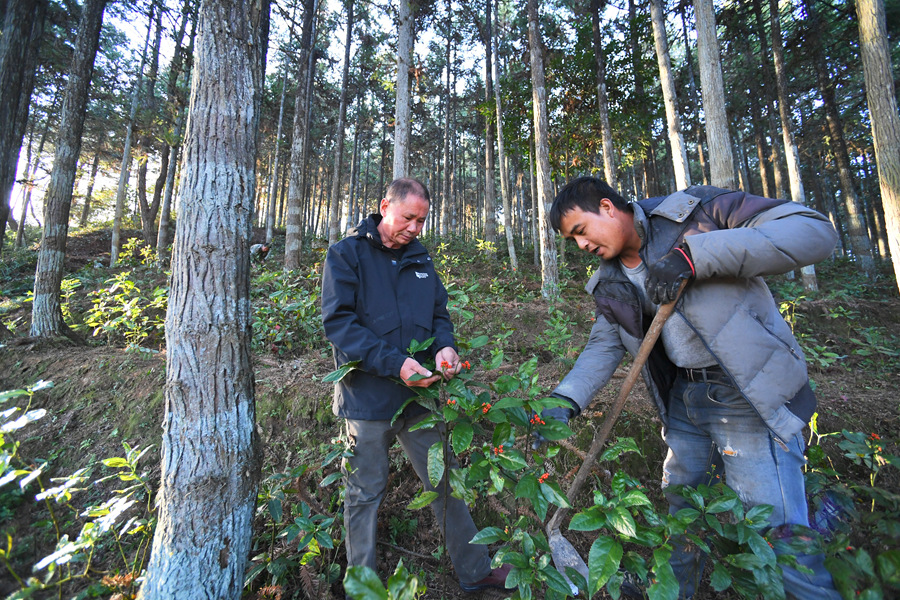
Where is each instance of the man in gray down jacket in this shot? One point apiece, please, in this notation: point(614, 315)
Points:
point(728, 378)
point(380, 292)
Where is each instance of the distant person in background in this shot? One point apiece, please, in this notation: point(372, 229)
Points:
point(379, 292)
point(727, 376)
point(258, 252)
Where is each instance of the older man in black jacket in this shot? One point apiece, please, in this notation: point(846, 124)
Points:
point(379, 292)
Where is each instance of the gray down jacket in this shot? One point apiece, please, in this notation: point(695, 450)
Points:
point(734, 240)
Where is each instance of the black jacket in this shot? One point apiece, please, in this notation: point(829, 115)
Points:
point(375, 301)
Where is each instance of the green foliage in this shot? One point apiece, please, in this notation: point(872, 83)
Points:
point(120, 526)
point(123, 312)
point(556, 337)
point(286, 315)
point(362, 583)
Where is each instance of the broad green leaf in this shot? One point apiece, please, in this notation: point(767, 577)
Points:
point(275, 509)
point(527, 486)
point(554, 430)
point(115, 462)
point(508, 402)
point(622, 520)
point(889, 566)
point(591, 519)
point(479, 341)
point(761, 548)
point(603, 561)
point(341, 372)
point(502, 433)
point(666, 585)
point(720, 505)
point(618, 448)
point(422, 499)
point(555, 581)
point(488, 535)
point(436, 463)
point(427, 423)
point(505, 384)
point(512, 459)
point(720, 580)
point(634, 498)
point(415, 346)
point(362, 583)
point(461, 437)
point(330, 479)
point(553, 494)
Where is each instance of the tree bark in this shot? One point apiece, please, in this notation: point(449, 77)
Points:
point(676, 139)
point(293, 237)
point(126, 152)
point(86, 210)
point(22, 29)
point(501, 150)
point(46, 314)
point(609, 155)
point(549, 269)
point(882, 103)
point(858, 237)
point(448, 94)
point(335, 215)
point(401, 111)
point(713, 91)
point(210, 448)
point(692, 97)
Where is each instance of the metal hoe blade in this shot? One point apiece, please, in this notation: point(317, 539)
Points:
point(563, 552)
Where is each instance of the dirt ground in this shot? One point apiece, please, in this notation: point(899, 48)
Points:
point(104, 395)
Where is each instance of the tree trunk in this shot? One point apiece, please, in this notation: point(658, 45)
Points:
point(210, 448)
point(273, 183)
point(635, 47)
point(713, 91)
point(46, 314)
point(504, 173)
point(549, 270)
point(401, 113)
point(858, 238)
point(676, 140)
point(126, 153)
point(882, 102)
point(335, 216)
point(609, 156)
point(293, 236)
point(692, 89)
point(448, 166)
point(86, 210)
point(22, 29)
point(790, 148)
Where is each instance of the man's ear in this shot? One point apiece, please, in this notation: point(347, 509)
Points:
point(606, 206)
point(382, 208)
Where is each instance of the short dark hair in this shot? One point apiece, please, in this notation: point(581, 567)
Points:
point(585, 193)
point(404, 186)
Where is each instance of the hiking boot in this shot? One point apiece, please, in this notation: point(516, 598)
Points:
point(494, 579)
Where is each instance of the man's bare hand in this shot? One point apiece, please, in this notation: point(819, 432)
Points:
point(447, 361)
point(412, 367)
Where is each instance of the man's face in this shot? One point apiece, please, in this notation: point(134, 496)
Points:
point(402, 221)
point(606, 233)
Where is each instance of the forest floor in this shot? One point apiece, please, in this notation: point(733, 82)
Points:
point(104, 394)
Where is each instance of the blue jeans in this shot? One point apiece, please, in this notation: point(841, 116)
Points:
point(713, 431)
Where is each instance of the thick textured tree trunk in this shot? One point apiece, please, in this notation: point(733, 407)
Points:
point(210, 447)
point(401, 111)
point(293, 236)
point(22, 29)
point(713, 91)
point(46, 312)
point(549, 269)
point(882, 102)
point(676, 139)
point(692, 89)
point(858, 237)
point(335, 215)
point(634, 41)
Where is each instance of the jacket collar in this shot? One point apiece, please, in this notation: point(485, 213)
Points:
point(368, 230)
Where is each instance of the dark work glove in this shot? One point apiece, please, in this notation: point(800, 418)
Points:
point(666, 274)
point(559, 413)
